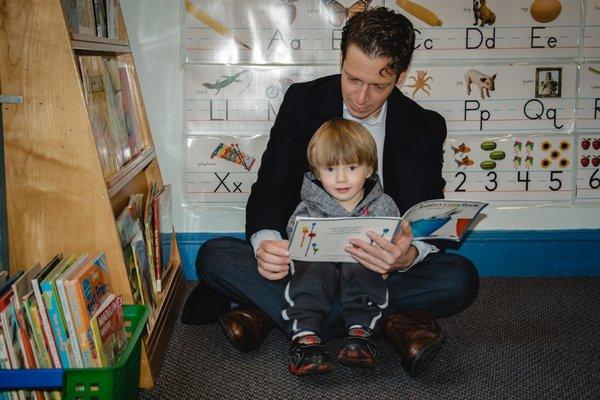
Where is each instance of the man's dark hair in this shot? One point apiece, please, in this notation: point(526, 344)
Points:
point(380, 32)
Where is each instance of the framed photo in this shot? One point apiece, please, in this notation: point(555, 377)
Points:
point(548, 82)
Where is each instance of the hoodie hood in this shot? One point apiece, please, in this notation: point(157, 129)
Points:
point(319, 202)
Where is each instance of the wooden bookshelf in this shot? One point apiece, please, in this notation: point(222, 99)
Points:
point(58, 199)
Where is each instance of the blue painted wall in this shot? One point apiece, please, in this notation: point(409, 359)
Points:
point(495, 253)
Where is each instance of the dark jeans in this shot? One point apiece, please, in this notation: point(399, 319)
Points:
point(441, 285)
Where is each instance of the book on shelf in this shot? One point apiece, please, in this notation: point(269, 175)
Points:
point(4, 360)
point(86, 289)
point(131, 102)
point(162, 228)
point(112, 102)
point(112, 81)
point(55, 313)
point(77, 356)
point(112, 18)
point(140, 257)
point(92, 74)
point(324, 239)
point(38, 339)
point(100, 18)
point(128, 226)
point(108, 328)
point(20, 288)
point(11, 326)
point(148, 233)
point(10, 331)
point(80, 16)
point(47, 328)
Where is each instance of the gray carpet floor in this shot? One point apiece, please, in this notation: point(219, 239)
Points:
point(523, 338)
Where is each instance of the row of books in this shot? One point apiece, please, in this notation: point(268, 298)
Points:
point(93, 17)
point(147, 238)
point(112, 100)
point(63, 315)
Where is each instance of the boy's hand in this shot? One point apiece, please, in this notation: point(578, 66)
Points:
point(273, 259)
point(387, 256)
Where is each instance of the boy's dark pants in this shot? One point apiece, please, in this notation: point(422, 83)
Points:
point(312, 289)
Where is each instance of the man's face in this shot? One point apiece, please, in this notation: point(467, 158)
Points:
point(364, 89)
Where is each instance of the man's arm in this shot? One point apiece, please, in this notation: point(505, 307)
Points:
point(403, 252)
point(277, 189)
point(275, 195)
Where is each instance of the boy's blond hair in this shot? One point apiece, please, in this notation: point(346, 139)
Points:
point(341, 141)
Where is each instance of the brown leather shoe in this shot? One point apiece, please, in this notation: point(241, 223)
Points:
point(416, 336)
point(246, 327)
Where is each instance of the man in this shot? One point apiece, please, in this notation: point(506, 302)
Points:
point(377, 48)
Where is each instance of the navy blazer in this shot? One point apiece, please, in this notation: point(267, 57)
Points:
point(412, 154)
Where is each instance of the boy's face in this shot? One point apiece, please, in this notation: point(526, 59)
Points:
point(345, 183)
point(364, 89)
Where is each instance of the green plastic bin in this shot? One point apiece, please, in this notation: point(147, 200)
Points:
point(117, 382)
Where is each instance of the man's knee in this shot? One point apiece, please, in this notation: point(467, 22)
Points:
point(212, 253)
point(465, 279)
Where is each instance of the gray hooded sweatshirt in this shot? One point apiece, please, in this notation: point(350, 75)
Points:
point(316, 202)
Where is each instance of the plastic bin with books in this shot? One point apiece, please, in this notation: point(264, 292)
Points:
point(116, 382)
point(64, 334)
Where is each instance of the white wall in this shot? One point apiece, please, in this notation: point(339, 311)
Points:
point(155, 30)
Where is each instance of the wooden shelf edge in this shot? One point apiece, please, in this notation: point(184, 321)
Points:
point(158, 340)
point(78, 37)
point(119, 179)
point(166, 298)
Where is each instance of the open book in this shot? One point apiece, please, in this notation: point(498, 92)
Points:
point(324, 239)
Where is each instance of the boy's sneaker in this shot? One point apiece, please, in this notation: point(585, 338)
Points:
point(308, 357)
point(359, 349)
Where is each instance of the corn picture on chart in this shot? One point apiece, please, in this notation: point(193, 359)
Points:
point(521, 76)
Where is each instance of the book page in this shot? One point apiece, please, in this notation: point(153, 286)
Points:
point(442, 219)
point(324, 239)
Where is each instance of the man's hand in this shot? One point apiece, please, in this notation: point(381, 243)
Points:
point(273, 259)
point(387, 256)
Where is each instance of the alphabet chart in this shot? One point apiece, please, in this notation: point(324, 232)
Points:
point(238, 98)
point(266, 31)
point(589, 98)
point(588, 167)
point(528, 168)
point(591, 42)
point(497, 98)
point(499, 30)
point(221, 169)
point(518, 82)
point(289, 32)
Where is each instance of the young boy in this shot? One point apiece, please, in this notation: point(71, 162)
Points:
point(342, 183)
